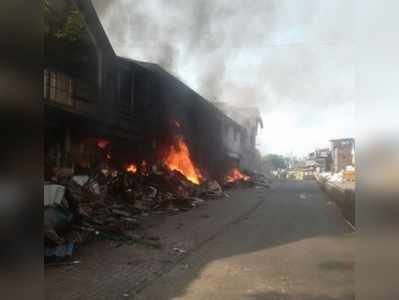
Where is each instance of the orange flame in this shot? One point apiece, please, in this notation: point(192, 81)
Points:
point(132, 168)
point(179, 159)
point(235, 175)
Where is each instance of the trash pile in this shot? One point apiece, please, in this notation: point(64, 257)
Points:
point(247, 179)
point(332, 177)
point(347, 175)
point(111, 204)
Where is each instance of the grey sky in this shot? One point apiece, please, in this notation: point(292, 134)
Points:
point(293, 59)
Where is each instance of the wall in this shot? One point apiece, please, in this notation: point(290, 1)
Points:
point(342, 156)
point(160, 102)
point(344, 198)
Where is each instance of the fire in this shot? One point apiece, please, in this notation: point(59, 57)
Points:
point(179, 159)
point(235, 175)
point(132, 168)
point(102, 144)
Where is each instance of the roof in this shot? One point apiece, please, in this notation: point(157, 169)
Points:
point(93, 24)
point(95, 28)
point(157, 69)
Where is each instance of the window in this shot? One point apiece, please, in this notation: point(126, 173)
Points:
point(57, 87)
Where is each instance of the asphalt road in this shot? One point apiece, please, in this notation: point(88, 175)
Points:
point(294, 244)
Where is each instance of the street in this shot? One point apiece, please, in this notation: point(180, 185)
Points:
point(286, 242)
point(295, 245)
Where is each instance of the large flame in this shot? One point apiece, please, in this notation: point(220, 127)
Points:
point(179, 159)
point(235, 175)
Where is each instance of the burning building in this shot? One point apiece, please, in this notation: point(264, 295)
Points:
point(124, 138)
point(101, 108)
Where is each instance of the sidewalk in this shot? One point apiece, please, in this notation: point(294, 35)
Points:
point(343, 194)
point(107, 270)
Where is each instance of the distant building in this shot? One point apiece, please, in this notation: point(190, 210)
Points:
point(342, 153)
point(250, 119)
point(302, 170)
point(322, 158)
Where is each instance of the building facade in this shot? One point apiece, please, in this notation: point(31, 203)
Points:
point(342, 153)
point(100, 105)
point(250, 120)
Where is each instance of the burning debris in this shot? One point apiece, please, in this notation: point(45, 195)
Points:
point(235, 175)
point(235, 178)
point(111, 203)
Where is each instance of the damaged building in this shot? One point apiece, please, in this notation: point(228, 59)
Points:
point(101, 108)
point(123, 139)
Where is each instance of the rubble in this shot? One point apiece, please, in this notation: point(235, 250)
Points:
point(236, 179)
point(111, 205)
point(53, 193)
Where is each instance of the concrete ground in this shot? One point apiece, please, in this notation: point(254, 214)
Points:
point(289, 242)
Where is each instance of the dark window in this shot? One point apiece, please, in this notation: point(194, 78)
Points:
point(57, 87)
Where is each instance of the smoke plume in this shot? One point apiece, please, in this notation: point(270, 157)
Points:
point(273, 54)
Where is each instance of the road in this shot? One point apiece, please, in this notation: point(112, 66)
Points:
point(294, 244)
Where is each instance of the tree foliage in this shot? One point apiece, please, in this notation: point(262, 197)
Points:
point(276, 161)
point(67, 26)
point(72, 28)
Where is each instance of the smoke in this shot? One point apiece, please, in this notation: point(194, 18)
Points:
point(273, 54)
point(186, 32)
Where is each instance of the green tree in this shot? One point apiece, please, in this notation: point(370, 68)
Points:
point(276, 161)
point(67, 26)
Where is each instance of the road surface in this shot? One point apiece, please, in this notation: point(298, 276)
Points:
point(293, 245)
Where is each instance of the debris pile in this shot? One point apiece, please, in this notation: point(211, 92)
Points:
point(237, 179)
point(111, 204)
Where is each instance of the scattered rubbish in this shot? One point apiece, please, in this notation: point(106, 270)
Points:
point(75, 262)
point(80, 179)
point(60, 251)
point(56, 219)
point(236, 179)
point(212, 189)
point(53, 194)
point(179, 250)
point(111, 204)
